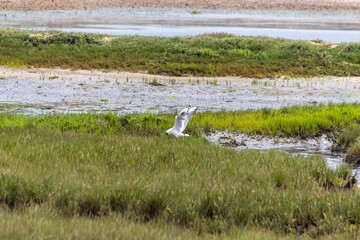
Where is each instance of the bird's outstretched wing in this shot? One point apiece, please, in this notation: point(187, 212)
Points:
point(188, 115)
point(180, 120)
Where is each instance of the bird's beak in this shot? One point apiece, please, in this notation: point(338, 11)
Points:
point(166, 133)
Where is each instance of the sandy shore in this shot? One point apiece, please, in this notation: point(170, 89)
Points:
point(328, 5)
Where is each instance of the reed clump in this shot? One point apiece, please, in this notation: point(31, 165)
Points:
point(353, 153)
point(349, 135)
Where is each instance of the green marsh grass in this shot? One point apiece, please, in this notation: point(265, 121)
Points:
point(43, 223)
point(298, 121)
point(348, 141)
point(185, 182)
point(349, 135)
point(205, 55)
point(88, 169)
point(353, 153)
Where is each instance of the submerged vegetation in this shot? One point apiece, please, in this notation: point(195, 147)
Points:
point(101, 167)
point(205, 55)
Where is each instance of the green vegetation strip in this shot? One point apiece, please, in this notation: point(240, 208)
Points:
point(302, 122)
point(298, 121)
point(101, 166)
point(205, 55)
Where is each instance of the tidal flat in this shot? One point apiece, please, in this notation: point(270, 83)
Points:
point(40, 91)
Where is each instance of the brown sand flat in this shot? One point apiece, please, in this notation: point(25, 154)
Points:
point(328, 5)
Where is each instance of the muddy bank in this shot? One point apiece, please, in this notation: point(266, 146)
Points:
point(315, 146)
point(329, 5)
point(38, 91)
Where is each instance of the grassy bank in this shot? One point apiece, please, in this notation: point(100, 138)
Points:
point(214, 55)
point(298, 121)
point(68, 171)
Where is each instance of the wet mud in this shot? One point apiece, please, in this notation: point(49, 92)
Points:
point(39, 91)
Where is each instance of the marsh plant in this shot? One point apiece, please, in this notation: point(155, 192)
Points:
point(353, 153)
point(349, 135)
point(349, 141)
point(255, 82)
point(173, 81)
point(195, 12)
point(155, 82)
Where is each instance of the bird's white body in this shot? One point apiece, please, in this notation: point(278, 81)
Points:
point(181, 120)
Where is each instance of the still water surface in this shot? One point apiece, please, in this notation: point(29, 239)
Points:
point(301, 25)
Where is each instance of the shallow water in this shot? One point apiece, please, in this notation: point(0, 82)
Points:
point(320, 146)
point(305, 25)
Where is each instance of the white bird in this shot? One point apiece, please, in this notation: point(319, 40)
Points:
point(181, 120)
